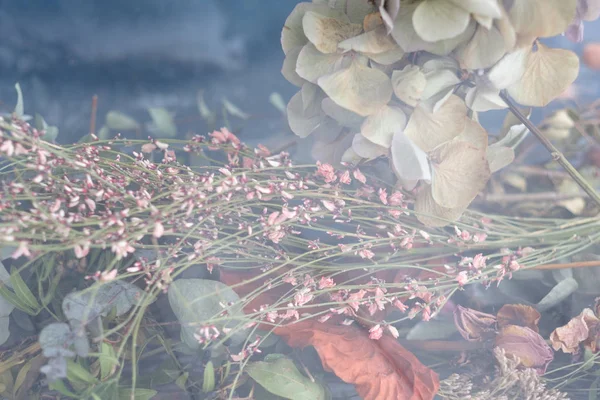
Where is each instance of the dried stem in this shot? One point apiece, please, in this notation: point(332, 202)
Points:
point(579, 264)
point(541, 196)
point(554, 152)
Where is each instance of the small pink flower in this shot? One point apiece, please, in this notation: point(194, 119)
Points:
point(462, 278)
point(22, 250)
point(400, 305)
point(108, 276)
point(354, 299)
point(376, 332)
point(393, 331)
point(326, 283)
point(327, 172)
point(329, 205)
point(479, 261)
point(383, 196)
point(345, 178)
point(396, 199)
point(366, 253)
point(359, 176)
point(159, 230)
point(302, 297)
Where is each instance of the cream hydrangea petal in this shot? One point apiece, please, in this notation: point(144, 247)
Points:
point(374, 41)
point(507, 30)
point(542, 18)
point(439, 19)
point(293, 35)
point(405, 35)
point(509, 69)
point(358, 88)
point(439, 81)
point(474, 134)
point(481, 99)
point(367, 149)
point(409, 84)
point(312, 64)
point(433, 215)
point(487, 8)
point(429, 130)
point(289, 67)
point(326, 32)
point(350, 157)
point(333, 152)
point(312, 95)
point(344, 117)
point(302, 122)
point(328, 130)
point(408, 160)
point(499, 156)
point(548, 73)
point(483, 50)
point(357, 10)
point(460, 172)
point(484, 21)
point(387, 58)
point(381, 126)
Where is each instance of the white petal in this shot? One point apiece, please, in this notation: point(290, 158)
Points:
point(439, 81)
point(358, 88)
point(289, 67)
point(381, 126)
point(328, 130)
point(312, 64)
point(439, 19)
point(549, 72)
point(429, 130)
point(367, 149)
point(326, 32)
point(460, 172)
point(292, 34)
point(484, 50)
point(480, 99)
point(408, 160)
point(409, 84)
point(509, 69)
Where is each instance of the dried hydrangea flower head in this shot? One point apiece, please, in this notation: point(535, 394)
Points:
point(406, 79)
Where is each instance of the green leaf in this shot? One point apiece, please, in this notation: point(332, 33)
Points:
point(56, 334)
point(21, 376)
point(118, 121)
point(209, 116)
point(140, 394)
point(87, 304)
point(19, 108)
point(51, 131)
point(182, 379)
point(22, 291)
point(196, 301)
point(281, 377)
point(163, 123)
point(560, 292)
point(208, 382)
point(108, 360)
point(60, 387)
point(77, 373)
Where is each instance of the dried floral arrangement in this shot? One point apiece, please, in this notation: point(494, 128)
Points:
point(247, 276)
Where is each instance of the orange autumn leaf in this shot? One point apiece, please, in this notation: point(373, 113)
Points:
point(379, 369)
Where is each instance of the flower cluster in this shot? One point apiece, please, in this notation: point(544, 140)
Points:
point(406, 82)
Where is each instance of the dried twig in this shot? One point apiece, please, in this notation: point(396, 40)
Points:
point(554, 152)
